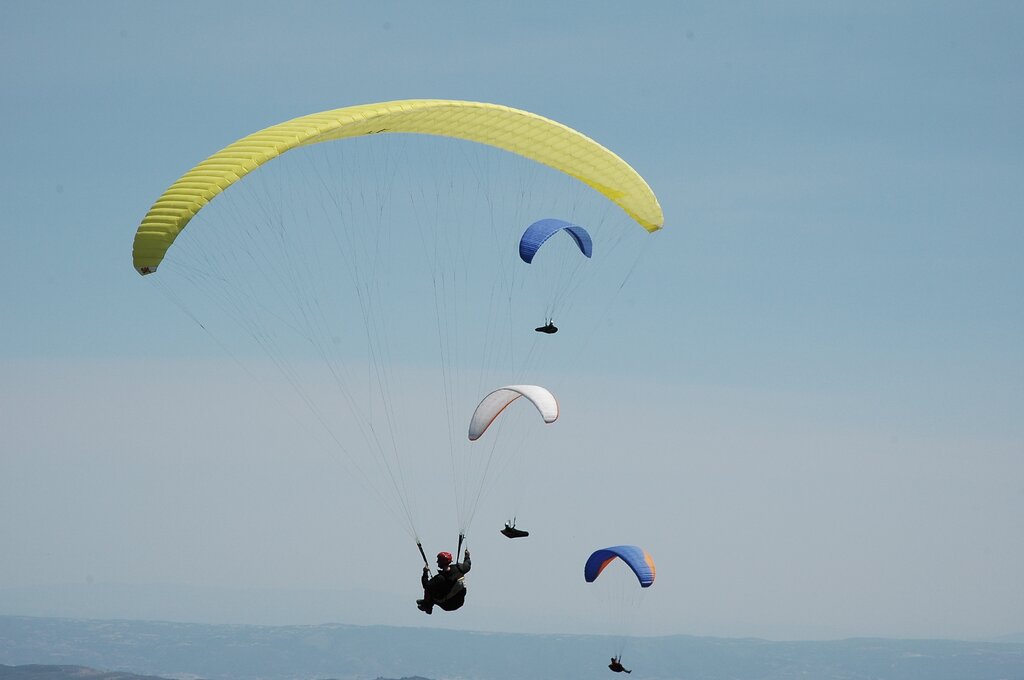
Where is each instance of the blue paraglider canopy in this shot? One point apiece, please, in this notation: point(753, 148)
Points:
point(540, 231)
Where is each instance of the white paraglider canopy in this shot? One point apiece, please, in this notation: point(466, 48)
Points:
point(495, 402)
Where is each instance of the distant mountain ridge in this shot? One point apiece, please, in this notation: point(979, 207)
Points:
point(42, 672)
point(183, 651)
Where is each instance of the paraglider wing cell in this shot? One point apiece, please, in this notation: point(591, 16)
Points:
point(540, 231)
point(495, 402)
point(634, 556)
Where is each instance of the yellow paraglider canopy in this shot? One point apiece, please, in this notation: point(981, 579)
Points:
point(520, 132)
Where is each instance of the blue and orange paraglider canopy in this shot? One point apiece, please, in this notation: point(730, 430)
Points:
point(638, 559)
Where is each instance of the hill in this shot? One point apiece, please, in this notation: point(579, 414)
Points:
point(41, 672)
point(186, 651)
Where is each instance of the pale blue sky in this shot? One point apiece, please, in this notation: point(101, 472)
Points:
point(817, 423)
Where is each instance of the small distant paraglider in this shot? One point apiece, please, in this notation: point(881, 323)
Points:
point(493, 404)
point(537, 234)
point(510, 531)
point(642, 566)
